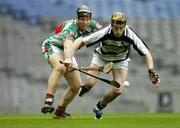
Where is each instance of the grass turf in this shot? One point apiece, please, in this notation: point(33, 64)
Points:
point(118, 120)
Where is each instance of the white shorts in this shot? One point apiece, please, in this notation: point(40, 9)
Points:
point(55, 50)
point(122, 64)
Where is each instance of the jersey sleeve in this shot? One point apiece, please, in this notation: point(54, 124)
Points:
point(138, 44)
point(94, 37)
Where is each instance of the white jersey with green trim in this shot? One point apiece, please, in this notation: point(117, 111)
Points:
point(113, 48)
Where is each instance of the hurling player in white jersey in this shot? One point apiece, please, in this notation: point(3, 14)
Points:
point(115, 42)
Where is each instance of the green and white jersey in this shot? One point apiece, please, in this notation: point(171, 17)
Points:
point(67, 30)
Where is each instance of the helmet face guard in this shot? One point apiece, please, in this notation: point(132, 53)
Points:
point(118, 19)
point(84, 14)
point(118, 24)
point(84, 11)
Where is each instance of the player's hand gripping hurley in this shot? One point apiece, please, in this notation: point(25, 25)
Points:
point(107, 68)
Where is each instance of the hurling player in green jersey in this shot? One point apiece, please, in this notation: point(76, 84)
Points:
point(55, 49)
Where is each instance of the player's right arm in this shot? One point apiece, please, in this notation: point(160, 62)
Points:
point(67, 48)
point(88, 40)
point(78, 43)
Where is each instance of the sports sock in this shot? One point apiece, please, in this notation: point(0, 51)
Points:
point(49, 98)
point(85, 88)
point(101, 105)
point(49, 95)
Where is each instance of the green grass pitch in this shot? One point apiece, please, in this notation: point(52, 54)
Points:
point(118, 120)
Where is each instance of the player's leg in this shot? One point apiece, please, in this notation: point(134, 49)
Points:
point(111, 95)
point(53, 80)
point(119, 73)
point(91, 81)
point(74, 81)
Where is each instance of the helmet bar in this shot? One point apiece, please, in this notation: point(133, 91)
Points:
point(118, 22)
point(84, 10)
point(84, 14)
point(118, 19)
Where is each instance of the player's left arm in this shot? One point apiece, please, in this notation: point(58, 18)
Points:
point(154, 77)
point(142, 49)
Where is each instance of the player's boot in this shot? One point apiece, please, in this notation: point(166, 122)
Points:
point(83, 90)
point(60, 113)
point(97, 113)
point(48, 105)
point(63, 115)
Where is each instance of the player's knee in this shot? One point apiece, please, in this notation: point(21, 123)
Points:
point(59, 68)
point(75, 87)
point(118, 91)
point(89, 83)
